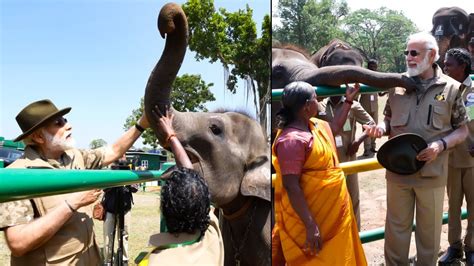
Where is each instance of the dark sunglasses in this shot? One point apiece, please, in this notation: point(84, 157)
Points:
point(60, 121)
point(413, 53)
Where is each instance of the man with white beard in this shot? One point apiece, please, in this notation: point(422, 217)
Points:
point(56, 229)
point(435, 111)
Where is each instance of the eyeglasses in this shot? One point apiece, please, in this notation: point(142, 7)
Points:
point(413, 53)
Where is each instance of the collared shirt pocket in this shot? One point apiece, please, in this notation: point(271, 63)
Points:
point(400, 119)
point(440, 114)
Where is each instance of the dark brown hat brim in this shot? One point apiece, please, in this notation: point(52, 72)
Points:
point(43, 122)
point(398, 154)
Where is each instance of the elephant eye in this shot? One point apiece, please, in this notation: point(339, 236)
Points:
point(215, 129)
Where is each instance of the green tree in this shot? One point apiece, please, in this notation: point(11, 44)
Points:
point(310, 24)
point(97, 143)
point(231, 38)
point(380, 34)
point(188, 94)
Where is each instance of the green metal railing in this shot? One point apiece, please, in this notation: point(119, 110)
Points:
point(379, 233)
point(327, 91)
point(16, 184)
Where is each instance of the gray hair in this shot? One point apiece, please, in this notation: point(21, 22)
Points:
point(28, 141)
point(428, 39)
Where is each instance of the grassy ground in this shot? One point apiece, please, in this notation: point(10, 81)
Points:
point(144, 222)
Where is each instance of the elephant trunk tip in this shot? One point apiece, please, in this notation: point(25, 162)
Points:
point(170, 15)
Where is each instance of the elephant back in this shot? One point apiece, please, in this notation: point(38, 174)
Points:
point(337, 52)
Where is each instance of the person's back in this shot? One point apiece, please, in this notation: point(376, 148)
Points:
point(193, 235)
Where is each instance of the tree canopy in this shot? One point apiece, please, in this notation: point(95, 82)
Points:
point(380, 34)
point(189, 93)
point(310, 24)
point(97, 143)
point(231, 38)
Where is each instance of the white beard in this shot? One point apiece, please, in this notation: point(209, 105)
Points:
point(59, 143)
point(420, 68)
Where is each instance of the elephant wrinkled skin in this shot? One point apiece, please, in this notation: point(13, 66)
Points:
point(337, 52)
point(229, 149)
point(290, 63)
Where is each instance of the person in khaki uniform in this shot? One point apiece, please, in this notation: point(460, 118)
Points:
point(370, 103)
point(457, 64)
point(56, 230)
point(331, 109)
point(434, 111)
point(193, 236)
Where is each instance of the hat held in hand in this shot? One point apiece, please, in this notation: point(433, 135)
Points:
point(398, 154)
point(36, 115)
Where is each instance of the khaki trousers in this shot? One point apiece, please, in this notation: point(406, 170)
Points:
point(352, 182)
point(109, 224)
point(403, 202)
point(460, 185)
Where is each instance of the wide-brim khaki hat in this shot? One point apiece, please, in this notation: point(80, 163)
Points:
point(398, 154)
point(36, 115)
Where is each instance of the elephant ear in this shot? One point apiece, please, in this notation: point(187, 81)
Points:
point(257, 179)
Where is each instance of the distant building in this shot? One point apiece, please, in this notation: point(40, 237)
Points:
point(145, 160)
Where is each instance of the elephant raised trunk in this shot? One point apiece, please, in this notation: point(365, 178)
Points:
point(229, 149)
point(172, 22)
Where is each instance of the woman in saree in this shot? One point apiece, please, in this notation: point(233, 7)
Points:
point(314, 219)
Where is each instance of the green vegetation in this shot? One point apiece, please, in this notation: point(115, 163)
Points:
point(231, 38)
point(311, 24)
point(189, 93)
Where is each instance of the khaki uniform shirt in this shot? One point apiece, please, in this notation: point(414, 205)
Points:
point(327, 111)
point(460, 157)
point(74, 243)
point(433, 113)
point(208, 251)
point(369, 102)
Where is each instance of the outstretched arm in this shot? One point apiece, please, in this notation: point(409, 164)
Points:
point(165, 125)
point(125, 141)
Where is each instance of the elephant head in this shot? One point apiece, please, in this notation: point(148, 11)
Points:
point(337, 52)
point(290, 63)
point(229, 149)
point(451, 29)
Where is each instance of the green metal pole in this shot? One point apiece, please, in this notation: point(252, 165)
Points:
point(379, 233)
point(329, 91)
point(333, 91)
point(18, 184)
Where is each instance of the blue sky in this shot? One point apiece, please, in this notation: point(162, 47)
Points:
point(94, 56)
